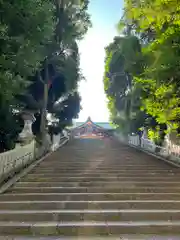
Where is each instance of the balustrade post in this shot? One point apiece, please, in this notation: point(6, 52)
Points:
point(167, 144)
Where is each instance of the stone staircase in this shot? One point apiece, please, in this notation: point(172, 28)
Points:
point(94, 188)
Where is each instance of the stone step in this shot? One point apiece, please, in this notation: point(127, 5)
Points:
point(108, 189)
point(114, 237)
point(94, 189)
point(108, 168)
point(99, 183)
point(102, 196)
point(115, 159)
point(97, 171)
point(102, 165)
point(109, 215)
point(80, 160)
point(113, 204)
point(95, 179)
point(100, 160)
point(88, 228)
point(99, 174)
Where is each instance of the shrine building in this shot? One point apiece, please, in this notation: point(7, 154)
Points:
point(91, 129)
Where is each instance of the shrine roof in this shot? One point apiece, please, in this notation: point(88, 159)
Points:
point(100, 124)
point(105, 125)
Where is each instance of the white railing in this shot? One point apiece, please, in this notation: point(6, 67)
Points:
point(152, 147)
point(134, 140)
point(174, 151)
point(170, 151)
point(13, 160)
point(148, 145)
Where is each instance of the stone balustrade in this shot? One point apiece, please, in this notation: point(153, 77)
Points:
point(169, 151)
point(14, 160)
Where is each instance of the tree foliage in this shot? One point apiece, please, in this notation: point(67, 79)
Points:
point(38, 37)
point(24, 28)
point(123, 61)
point(155, 24)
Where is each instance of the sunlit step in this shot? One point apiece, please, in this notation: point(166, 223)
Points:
point(110, 237)
point(107, 189)
point(94, 179)
point(88, 196)
point(90, 215)
point(96, 204)
point(89, 228)
point(100, 183)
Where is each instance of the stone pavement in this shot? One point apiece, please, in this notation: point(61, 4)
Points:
point(94, 188)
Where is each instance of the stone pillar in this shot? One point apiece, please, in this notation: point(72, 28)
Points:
point(145, 133)
point(144, 136)
point(26, 135)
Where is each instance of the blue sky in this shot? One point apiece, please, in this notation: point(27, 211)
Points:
point(104, 15)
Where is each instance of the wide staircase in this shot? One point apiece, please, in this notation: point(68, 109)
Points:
point(94, 188)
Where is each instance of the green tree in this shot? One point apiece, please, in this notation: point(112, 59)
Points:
point(72, 22)
point(155, 85)
point(123, 61)
point(38, 46)
point(160, 78)
point(24, 27)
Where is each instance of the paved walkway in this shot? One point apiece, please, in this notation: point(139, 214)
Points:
point(93, 187)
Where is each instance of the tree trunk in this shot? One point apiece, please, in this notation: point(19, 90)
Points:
point(44, 105)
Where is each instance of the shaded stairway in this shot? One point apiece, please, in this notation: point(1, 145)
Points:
point(94, 187)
